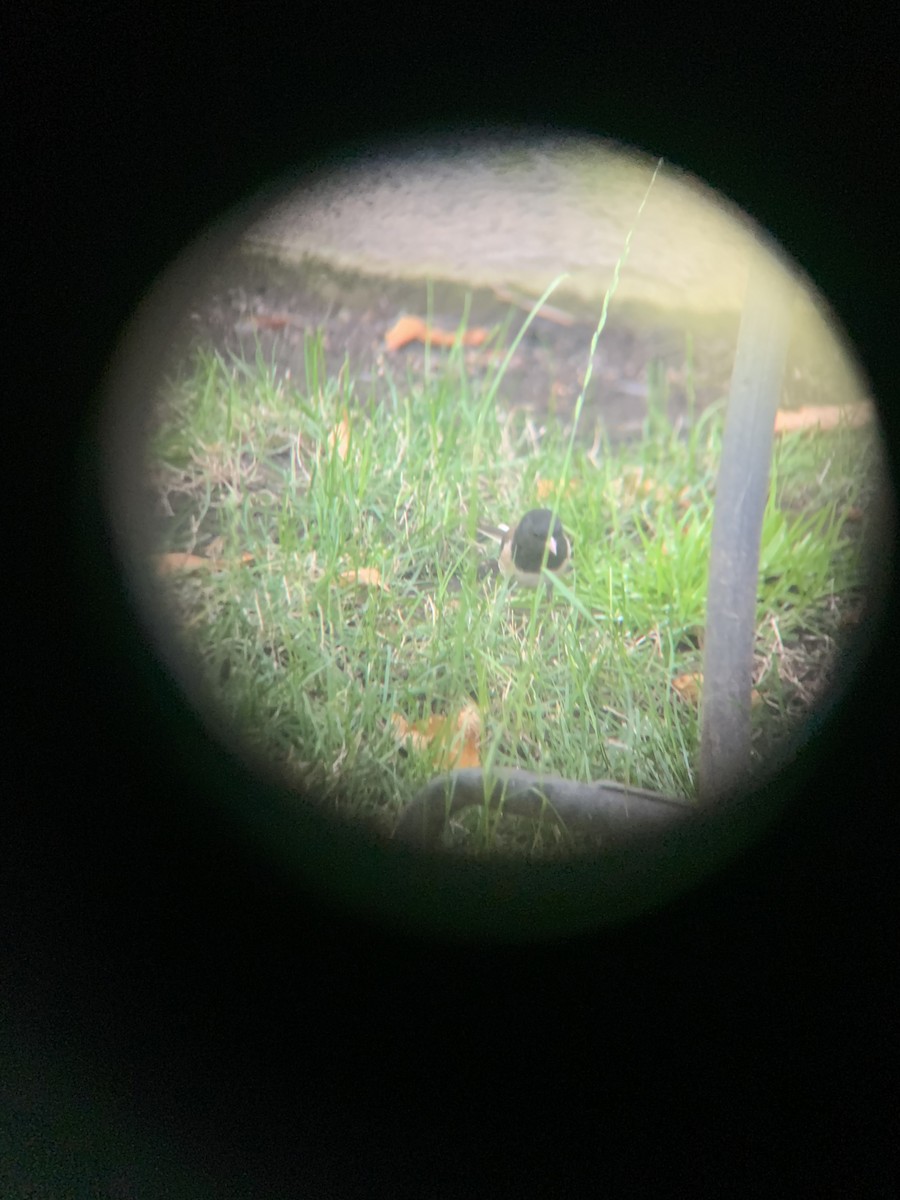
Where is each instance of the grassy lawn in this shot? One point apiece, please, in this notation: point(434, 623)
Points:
point(341, 596)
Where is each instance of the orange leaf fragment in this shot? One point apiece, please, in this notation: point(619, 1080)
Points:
point(414, 329)
point(453, 742)
point(339, 438)
point(688, 686)
point(407, 329)
point(632, 486)
point(821, 416)
point(366, 576)
point(545, 488)
point(472, 337)
point(468, 725)
point(168, 564)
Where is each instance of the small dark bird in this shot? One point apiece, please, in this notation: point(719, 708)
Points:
point(523, 548)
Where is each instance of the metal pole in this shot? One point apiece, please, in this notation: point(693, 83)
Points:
point(741, 493)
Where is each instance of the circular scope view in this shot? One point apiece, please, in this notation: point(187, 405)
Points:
point(507, 496)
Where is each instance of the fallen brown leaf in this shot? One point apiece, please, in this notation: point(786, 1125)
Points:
point(453, 742)
point(821, 416)
point(468, 725)
point(407, 329)
point(688, 686)
point(168, 564)
point(545, 488)
point(366, 576)
point(632, 485)
point(339, 438)
point(414, 329)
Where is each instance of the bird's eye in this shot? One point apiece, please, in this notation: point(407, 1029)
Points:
point(306, 428)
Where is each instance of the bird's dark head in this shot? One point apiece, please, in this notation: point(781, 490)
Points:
point(536, 534)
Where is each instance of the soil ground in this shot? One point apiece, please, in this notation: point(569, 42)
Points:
point(254, 305)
